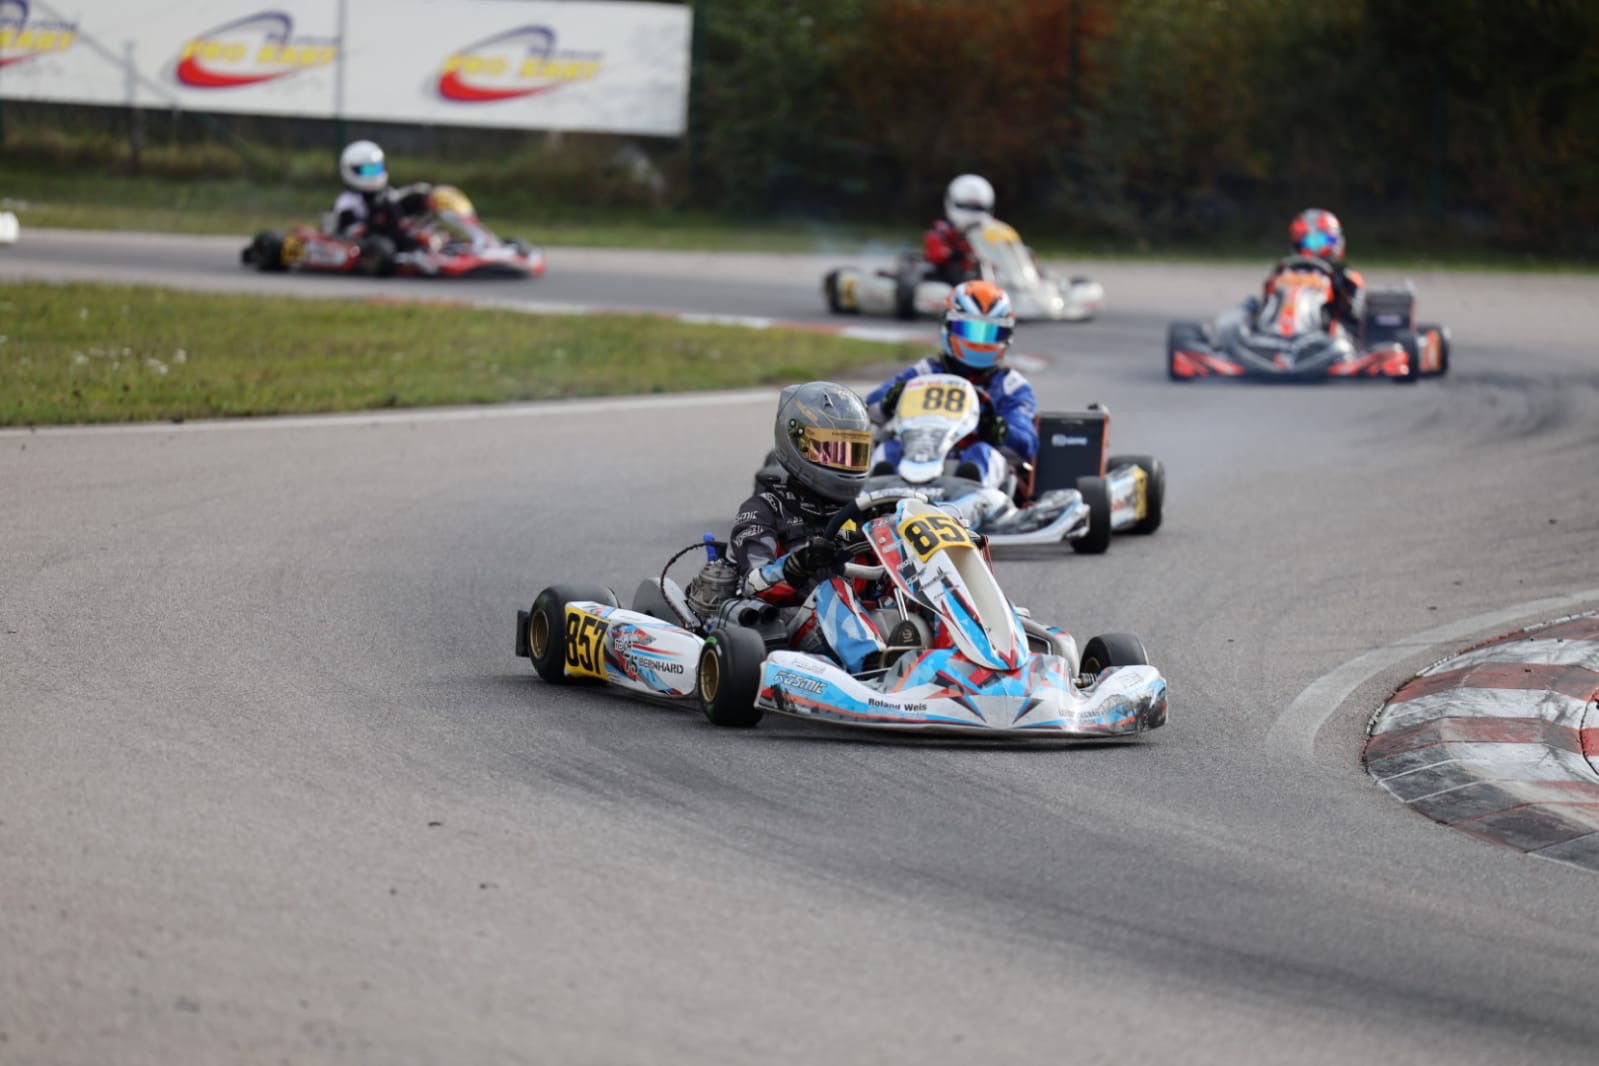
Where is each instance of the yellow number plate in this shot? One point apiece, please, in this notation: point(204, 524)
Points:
point(585, 644)
point(930, 533)
point(952, 401)
point(999, 233)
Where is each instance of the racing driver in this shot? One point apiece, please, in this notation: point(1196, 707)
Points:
point(978, 323)
point(367, 204)
point(968, 202)
point(1318, 235)
point(823, 439)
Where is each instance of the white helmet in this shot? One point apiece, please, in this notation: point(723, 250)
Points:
point(361, 166)
point(968, 200)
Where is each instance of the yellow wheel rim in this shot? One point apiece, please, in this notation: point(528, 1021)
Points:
point(710, 677)
point(538, 634)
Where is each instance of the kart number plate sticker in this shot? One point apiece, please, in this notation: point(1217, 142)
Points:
point(951, 400)
point(928, 534)
point(999, 233)
point(585, 644)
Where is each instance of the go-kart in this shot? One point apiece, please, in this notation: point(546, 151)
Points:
point(1287, 336)
point(9, 230)
point(446, 240)
point(1074, 493)
point(907, 292)
point(934, 644)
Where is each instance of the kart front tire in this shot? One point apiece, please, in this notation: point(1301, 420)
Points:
point(1112, 649)
point(1096, 493)
point(377, 255)
point(546, 627)
point(1154, 488)
point(729, 677)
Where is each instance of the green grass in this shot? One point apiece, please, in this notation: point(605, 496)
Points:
point(88, 353)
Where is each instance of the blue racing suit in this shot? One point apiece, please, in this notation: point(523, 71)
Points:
point(1012, 397)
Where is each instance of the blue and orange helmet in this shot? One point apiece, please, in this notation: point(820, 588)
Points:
point(978, 323)
point(1318, 233)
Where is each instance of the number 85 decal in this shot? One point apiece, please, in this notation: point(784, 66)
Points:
point(929, 533)
point(585, 644)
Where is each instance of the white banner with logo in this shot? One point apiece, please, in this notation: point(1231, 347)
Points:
point(535, 64)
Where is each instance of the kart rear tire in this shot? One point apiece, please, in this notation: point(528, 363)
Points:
point(546, 627)
point(1096, 493)
point(830, 291)
point(1112, 649)
point(1154, 488)
point(905, 296)
point(266, 252)
point(1176, 335)
point(377, 255)
point(729, 677)
point(1412, 345)
point(1443, 346)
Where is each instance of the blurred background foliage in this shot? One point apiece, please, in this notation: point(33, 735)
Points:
point(1444, 124)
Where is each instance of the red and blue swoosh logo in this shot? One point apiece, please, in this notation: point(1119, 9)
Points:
point(25, 40)
point(511, 65)
point(249, 51)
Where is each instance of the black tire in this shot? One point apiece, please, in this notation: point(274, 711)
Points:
point(1176, 335)
point(729, 677)
point(1154, 488)
point(266, 252)
point(546, 627)
point(1413, 349)
point(830, 291)
point(1097, 494)
point(1112, 649)
point(377, 255)
point(1443, 346)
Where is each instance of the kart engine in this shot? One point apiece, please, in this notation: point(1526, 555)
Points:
point(714, 585)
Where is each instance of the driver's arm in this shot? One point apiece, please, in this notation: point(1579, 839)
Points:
point(1015, 402)
point(758, 552)
point(874, 399)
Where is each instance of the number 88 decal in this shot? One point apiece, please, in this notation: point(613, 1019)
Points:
point(941, 398)
point(931, 533)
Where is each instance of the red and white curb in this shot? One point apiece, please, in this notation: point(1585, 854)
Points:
point(1502, 741)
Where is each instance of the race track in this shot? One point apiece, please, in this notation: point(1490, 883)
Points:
point(276, 790)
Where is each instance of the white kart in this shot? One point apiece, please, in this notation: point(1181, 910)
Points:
point(907, 292)
point(9, 230)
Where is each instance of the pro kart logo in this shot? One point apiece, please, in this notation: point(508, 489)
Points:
point(517, 63)
point(22, 39)
point(251, 50)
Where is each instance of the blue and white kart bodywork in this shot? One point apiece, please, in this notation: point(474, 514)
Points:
point(916, 635)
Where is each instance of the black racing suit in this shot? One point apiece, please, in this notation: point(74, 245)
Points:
point(769, 525)
point(383, 212)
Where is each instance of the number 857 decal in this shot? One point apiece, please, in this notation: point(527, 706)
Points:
point(585, 644)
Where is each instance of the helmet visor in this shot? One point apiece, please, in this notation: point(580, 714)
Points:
point(370, 170)
point(1317, 241)
point(978, 331)
point(848, 450)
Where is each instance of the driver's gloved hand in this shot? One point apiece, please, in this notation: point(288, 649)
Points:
point(992, 428)
point(891, 399)
point(810, 558)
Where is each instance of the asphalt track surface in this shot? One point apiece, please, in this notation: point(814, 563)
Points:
point(274, 789)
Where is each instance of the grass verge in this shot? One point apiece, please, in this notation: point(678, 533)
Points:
point(89, 353)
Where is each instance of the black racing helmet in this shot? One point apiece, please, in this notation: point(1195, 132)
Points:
point(824, 439)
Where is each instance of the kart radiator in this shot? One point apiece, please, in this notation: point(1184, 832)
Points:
point(1070, 445)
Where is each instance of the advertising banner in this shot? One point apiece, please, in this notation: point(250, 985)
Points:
point(534, 64)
